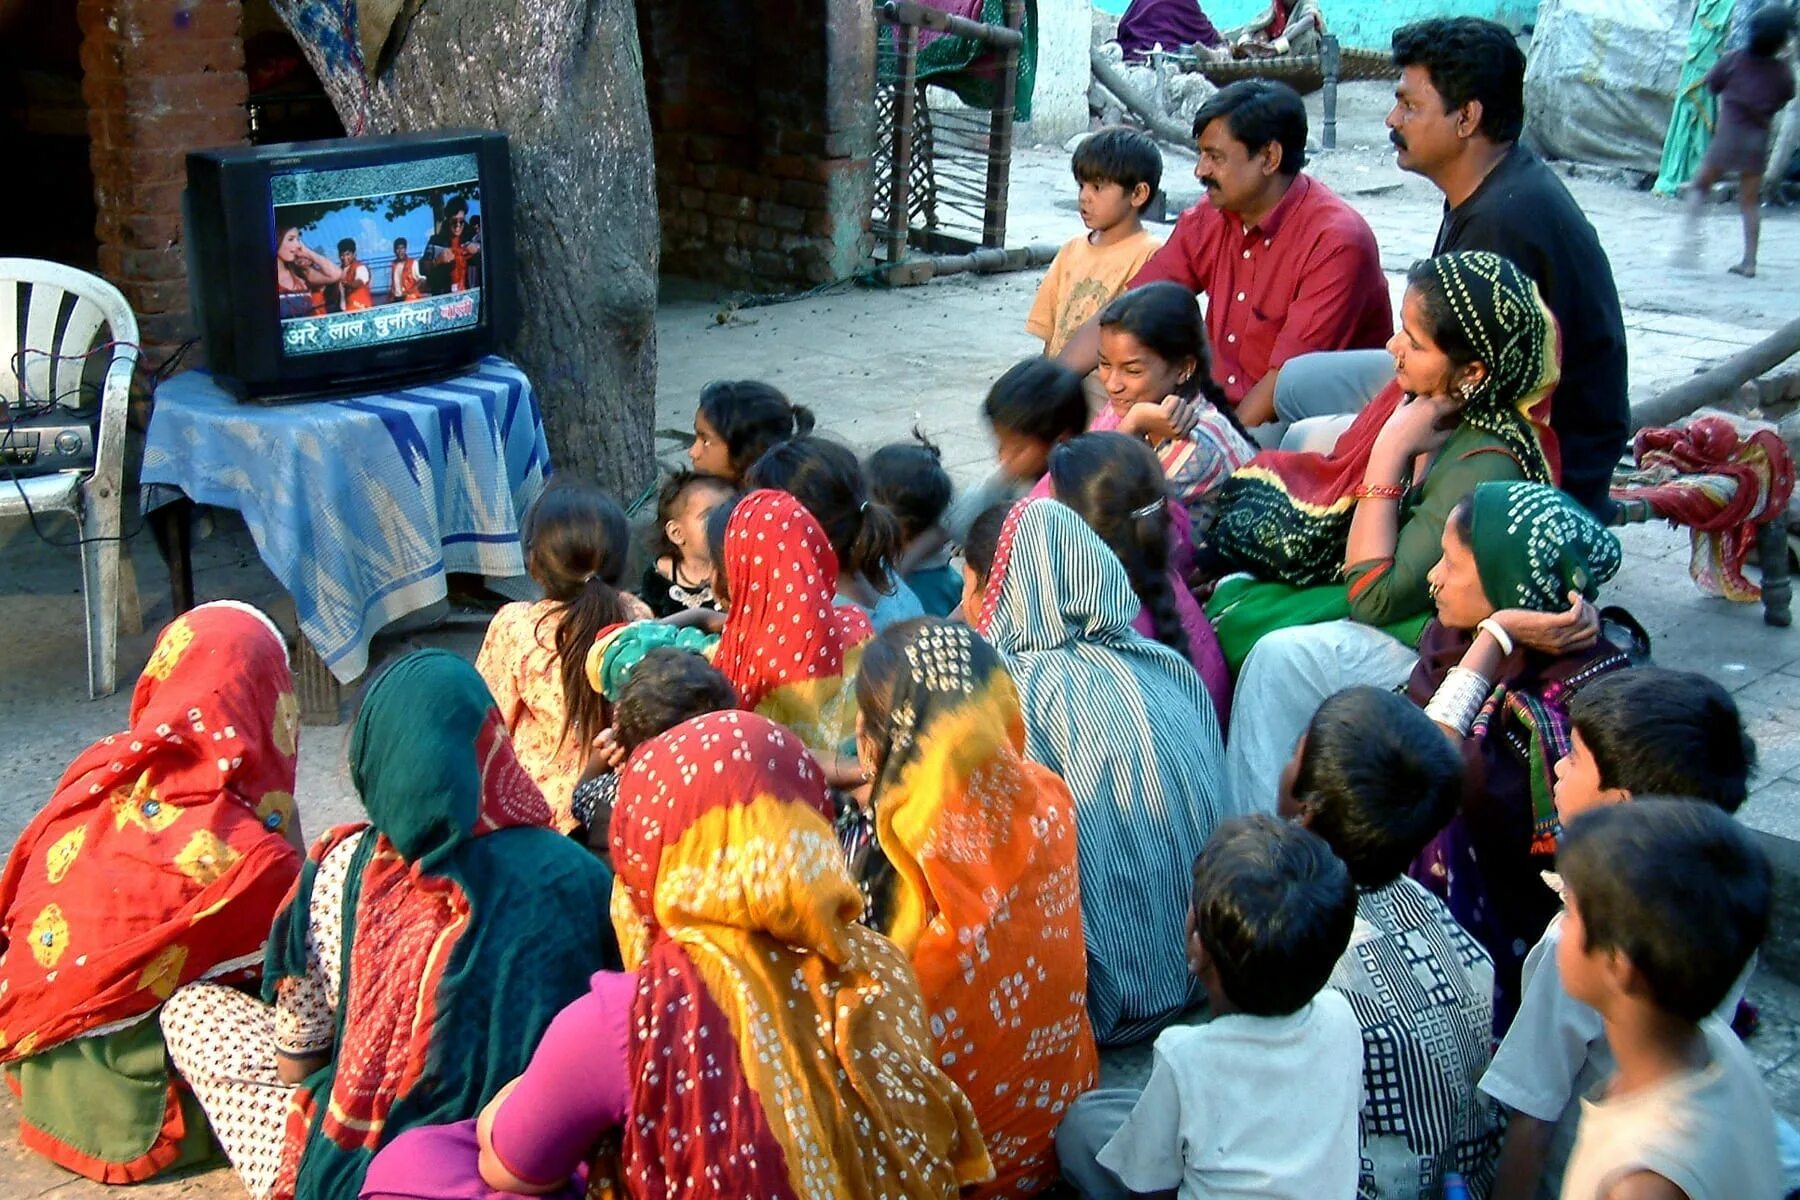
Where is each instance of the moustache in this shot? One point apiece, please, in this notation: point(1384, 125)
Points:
point(1209, 183)
point(1394, 137)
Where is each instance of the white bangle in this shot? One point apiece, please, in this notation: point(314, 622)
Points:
point(1498, 632)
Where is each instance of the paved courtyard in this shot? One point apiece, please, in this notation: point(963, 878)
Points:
point(874, 363)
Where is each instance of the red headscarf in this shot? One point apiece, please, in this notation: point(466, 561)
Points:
point(790, 652)
point(163, 855)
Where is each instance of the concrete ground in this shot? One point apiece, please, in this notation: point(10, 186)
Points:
point(875, 363)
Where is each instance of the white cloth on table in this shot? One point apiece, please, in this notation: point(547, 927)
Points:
point(224, 1042)
point(1287, 675)
point(362, 505)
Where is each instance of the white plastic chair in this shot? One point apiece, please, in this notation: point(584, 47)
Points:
point(66, 314)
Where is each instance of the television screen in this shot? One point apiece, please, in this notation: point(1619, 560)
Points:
point(365, 256)
point(331, 267)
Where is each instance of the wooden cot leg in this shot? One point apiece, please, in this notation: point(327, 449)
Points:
point(316, 687)
point(1777, 589)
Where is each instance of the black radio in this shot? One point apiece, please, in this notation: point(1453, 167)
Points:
point(43, 444)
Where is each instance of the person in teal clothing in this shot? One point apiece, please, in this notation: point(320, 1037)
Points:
point(909, 479)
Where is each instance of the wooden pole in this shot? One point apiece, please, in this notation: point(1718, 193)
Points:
point(1716, 385)
point(1000, 133)
point(1113, 80)
point(906, 99)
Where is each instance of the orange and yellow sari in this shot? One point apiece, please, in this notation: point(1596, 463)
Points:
point(986, 898)
point(779, 1049)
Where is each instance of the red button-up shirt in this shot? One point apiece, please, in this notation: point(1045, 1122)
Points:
point(1307, 277)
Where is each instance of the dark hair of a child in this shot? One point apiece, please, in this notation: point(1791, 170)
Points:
point(1768, 29)
point(1470, 59)
point(983, 541)
point(878, 679)
point(1114, 482)
point(1038, 398)
point(1164, 319)
point(1378, 781)
point(668, 687)
point(910, 480)
point(576, 541)
point(1119, 154)
point(751, 416)
point(1653, 731)
point(826, 478)
point(1274, 908)
point(1680, 889)
point(669, 506)
point(718, 522)
point(346, 245)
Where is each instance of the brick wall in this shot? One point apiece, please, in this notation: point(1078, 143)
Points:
point(161, 77)
point(763, 122)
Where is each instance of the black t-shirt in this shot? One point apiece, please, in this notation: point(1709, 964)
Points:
point(1523, 212)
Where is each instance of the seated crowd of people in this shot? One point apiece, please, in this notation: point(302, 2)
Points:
point(1259, 705)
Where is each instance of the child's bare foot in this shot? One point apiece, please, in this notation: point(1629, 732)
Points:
point(1747, 270)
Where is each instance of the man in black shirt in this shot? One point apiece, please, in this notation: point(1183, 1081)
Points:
point(1458, 111)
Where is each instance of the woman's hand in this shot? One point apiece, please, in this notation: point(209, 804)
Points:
point(1174, 417)
point(696, 618)
point(1419, 426)
point(605, 755)
point(1555, 633)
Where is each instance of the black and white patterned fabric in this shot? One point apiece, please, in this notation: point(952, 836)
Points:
point(1422, 990)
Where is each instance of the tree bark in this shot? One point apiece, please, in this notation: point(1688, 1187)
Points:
point(564, 80)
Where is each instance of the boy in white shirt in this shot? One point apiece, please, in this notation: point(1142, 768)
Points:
point(1262, 1100)
point(1647, 731)
point(1664, 903)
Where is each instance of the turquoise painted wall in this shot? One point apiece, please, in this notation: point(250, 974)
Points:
point(1369, 23)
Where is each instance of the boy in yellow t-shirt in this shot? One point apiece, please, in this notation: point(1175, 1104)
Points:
point(1119, 170)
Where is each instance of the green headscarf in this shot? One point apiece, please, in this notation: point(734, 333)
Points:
point(618, 651)
point(1533, 545)
point(468, 924)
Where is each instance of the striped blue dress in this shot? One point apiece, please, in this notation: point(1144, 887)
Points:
point(1129, 726)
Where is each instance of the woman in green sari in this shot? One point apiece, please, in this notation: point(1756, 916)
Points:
point(419, 959)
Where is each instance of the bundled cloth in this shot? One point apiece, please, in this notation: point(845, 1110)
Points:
point(1718, 482)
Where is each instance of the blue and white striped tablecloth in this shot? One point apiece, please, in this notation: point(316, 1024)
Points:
point(360, 506)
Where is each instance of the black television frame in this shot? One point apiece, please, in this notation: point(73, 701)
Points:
point(227, 217)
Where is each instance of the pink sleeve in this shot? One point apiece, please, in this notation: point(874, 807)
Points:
point(577, 1087)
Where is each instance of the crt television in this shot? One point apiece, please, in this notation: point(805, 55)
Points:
point(331, 266)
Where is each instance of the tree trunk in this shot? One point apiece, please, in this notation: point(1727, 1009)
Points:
point(564, 80)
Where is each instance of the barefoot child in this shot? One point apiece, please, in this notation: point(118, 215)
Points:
point(1666, 900)
point(1752, 85)
point(680, 577)
point(534, 656)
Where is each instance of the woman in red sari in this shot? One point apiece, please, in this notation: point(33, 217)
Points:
point(161, 859)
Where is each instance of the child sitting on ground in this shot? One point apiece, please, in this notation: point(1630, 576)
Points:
point(737, 421)
point(1118, 170)
point(1374, 777)
point(1664, 903)
point(680, 576)
point(1036, 405)
point(826, 478)
point(910, 480)
point(1156, 368)
point(1646, 731)
point(655, 681)
point(1261, 1099)
point(533, 657)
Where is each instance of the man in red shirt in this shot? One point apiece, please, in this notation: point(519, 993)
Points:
point(1287, 266)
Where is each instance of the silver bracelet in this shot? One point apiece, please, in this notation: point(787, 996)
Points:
point(1458, 700)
